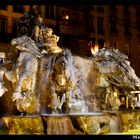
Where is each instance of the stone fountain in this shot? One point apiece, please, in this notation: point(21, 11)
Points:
point(48, 90)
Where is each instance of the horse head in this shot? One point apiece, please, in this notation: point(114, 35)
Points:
point(25, 43)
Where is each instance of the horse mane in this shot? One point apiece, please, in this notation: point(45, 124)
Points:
point(29, 45)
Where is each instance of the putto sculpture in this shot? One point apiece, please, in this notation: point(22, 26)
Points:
point(49, 40)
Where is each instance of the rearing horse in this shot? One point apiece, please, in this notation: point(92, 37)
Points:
point(23, 76)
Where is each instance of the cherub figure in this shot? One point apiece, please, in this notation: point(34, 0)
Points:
point(49, 41)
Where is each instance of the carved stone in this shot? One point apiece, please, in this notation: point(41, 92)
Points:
point(60, 126)
point(24, 125)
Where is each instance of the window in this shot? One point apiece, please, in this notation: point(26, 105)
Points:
point(113, 44)
point(65, 39)
point(3, 25)
point(14, 28)
point(101, 43)
point(100, 8)
point(126, 10)
point(65, 14)
point(138, 27)
point(66, 17)
point(35, 9)
point(91, 23)
point(138, 24)
point(3, 7)
point(137, 11)
point(127, 28)
point(50, 12)
point(18, 8)
point(92, 7)
point(100, 23)
point(113, 26)
point(113, 9)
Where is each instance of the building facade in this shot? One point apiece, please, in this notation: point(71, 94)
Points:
point(116, 25)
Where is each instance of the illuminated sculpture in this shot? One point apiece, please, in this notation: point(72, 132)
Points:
point(115, 73)
point(48, 80)
point(49, 40)
point(2, 87)
point(23, 75)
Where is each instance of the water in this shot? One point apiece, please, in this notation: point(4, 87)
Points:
point(74, 114)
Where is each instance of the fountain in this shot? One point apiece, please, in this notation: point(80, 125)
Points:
point(48, 90)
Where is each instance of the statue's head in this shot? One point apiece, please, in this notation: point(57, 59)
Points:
point(46, 32)
point(21, 43)
point(62, 61)
point(25, 43)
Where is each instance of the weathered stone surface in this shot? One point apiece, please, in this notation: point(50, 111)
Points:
point(3, 127)
point(7, 106)
point(114, 123)
point(60, 126)
point(24, 125)
point(129, 120)
point(93, 124)
point(108, 123)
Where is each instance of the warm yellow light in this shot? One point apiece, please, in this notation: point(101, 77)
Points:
point(95, 49)
point(92, 50)
point(66, 16)
point(115, 94)
point(137, 91)
point(2, 55)
point(138, 97)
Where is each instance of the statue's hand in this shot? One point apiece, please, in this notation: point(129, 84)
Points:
point(16, 96)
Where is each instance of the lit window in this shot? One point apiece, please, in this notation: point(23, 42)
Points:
point(66, 17)
point(65, 14)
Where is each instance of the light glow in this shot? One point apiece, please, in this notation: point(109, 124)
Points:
point(95, 49)
point(66, 17)
point(115, 94)
point(137, 91)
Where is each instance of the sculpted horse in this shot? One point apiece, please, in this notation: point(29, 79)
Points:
point(56, 82)
point(116, 74)
point(3, 89)
point(23, 75)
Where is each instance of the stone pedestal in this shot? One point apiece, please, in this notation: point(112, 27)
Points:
point(24, 125)
point(107, 123)
point(60, 126)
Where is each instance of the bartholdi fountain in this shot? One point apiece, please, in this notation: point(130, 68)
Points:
point(48, 90)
